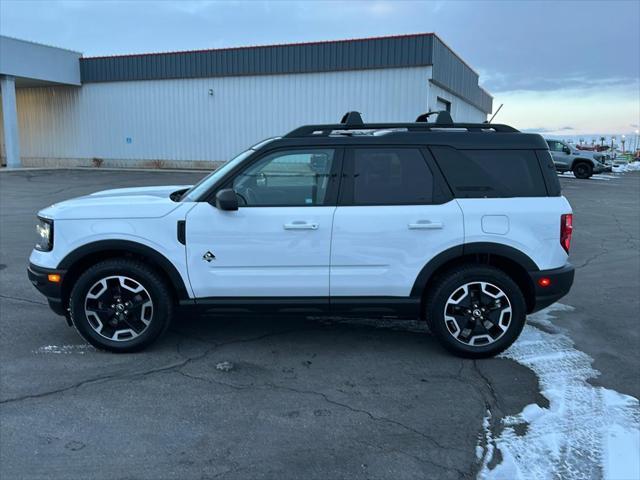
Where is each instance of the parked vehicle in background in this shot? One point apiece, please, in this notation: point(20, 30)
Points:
point(582, 163)
point(462, 225)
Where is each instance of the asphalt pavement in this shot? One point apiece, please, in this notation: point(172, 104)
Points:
point(279, 399)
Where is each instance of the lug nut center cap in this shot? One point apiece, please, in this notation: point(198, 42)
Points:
point(477, 312)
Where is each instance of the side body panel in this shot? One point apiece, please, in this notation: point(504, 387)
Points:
point(159, 234)
point(531, 225)
point(259, 251)
point(380, 250)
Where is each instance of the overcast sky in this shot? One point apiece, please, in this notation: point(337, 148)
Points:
point(564, 67)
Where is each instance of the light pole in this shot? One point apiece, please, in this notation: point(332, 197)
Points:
point(622, 140)
point(613, 139)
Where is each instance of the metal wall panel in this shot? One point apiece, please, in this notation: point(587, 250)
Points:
point(371, 53)
point(404, 51)
point(177, 120)
point(454, 74)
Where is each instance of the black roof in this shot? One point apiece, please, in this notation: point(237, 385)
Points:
point(461, 140)
point(353, 131)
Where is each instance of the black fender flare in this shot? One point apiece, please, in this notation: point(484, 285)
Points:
point(129, 246)
point(582, 160)
point(485, 248)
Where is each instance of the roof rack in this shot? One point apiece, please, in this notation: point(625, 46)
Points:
point(352, 121)
point(326, 130)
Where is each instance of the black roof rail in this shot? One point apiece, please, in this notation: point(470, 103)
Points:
point(326, 130)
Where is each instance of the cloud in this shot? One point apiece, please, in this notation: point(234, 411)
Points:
point(500, 82)
point(546, 130)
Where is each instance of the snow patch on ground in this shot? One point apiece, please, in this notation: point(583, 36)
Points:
point(597, 176)
point(586, 433)
point(65, 349)
point(627, 167)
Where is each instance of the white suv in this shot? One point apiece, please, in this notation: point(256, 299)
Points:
point(462, 225)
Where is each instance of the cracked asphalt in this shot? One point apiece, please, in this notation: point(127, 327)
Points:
point(298, 398)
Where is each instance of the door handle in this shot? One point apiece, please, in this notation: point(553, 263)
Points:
point(425, 225)
point(300, 225)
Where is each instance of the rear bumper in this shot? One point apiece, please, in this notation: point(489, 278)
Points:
point(561, 280)
point(38, 276)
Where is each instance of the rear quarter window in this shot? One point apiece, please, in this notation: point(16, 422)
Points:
point(491, 173)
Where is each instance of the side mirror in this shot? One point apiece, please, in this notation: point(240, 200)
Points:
point(567, 150)
point(227, 199)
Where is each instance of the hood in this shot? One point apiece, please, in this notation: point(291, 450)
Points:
point(137, 202)
point(584, 153)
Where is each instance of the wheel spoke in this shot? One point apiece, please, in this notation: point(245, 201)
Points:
point(118, 308)
point(477, 313)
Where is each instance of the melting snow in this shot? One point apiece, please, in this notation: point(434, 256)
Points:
point(627, 167)
point(586, 433)
point(66, 349)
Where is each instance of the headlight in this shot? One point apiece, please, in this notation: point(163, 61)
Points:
point(44, 234)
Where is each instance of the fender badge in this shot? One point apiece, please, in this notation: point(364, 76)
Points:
point(207, 257)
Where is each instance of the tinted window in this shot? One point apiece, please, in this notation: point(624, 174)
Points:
point(388, 176)
point(554, 146)
point(491, 173)
point(549, 172)
point(291, 178)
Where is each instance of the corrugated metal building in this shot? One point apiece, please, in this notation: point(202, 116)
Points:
point(192, 108)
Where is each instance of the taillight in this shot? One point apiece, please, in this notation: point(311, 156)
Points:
point(566, 230)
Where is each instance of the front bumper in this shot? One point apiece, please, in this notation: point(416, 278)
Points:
point(600, 167)
point(561, 280)
point(52, 291)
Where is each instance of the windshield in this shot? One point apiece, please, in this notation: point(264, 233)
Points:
point(203, 185)
point(207, 182)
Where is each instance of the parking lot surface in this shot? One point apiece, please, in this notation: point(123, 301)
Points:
point(284, 398)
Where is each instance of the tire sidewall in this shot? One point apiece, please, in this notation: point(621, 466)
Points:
point(452, 282)
point(587, 170)
point(140, 274)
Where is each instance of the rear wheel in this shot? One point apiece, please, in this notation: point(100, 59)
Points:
point(582, 170)
point(476, 311)
point(121, 305)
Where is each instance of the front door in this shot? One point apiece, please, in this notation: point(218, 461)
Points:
point(277, 244)
point(561, 158)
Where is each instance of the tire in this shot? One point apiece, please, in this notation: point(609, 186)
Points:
point(121, 305)
point(582, 170)
point(462, 330)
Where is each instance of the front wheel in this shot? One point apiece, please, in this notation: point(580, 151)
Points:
point(120, 305)
point(476, 311)
point(582, 170)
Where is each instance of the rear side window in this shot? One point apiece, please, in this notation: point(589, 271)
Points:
point(549, 172)
point(391, 176)
point(491, 173)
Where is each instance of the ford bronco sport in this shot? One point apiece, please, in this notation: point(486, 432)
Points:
point(462, 225)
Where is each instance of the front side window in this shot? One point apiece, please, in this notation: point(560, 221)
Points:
point(555, 146)
point(391, 176)
point(289, 178)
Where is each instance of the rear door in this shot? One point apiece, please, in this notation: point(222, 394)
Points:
point(392, 218)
